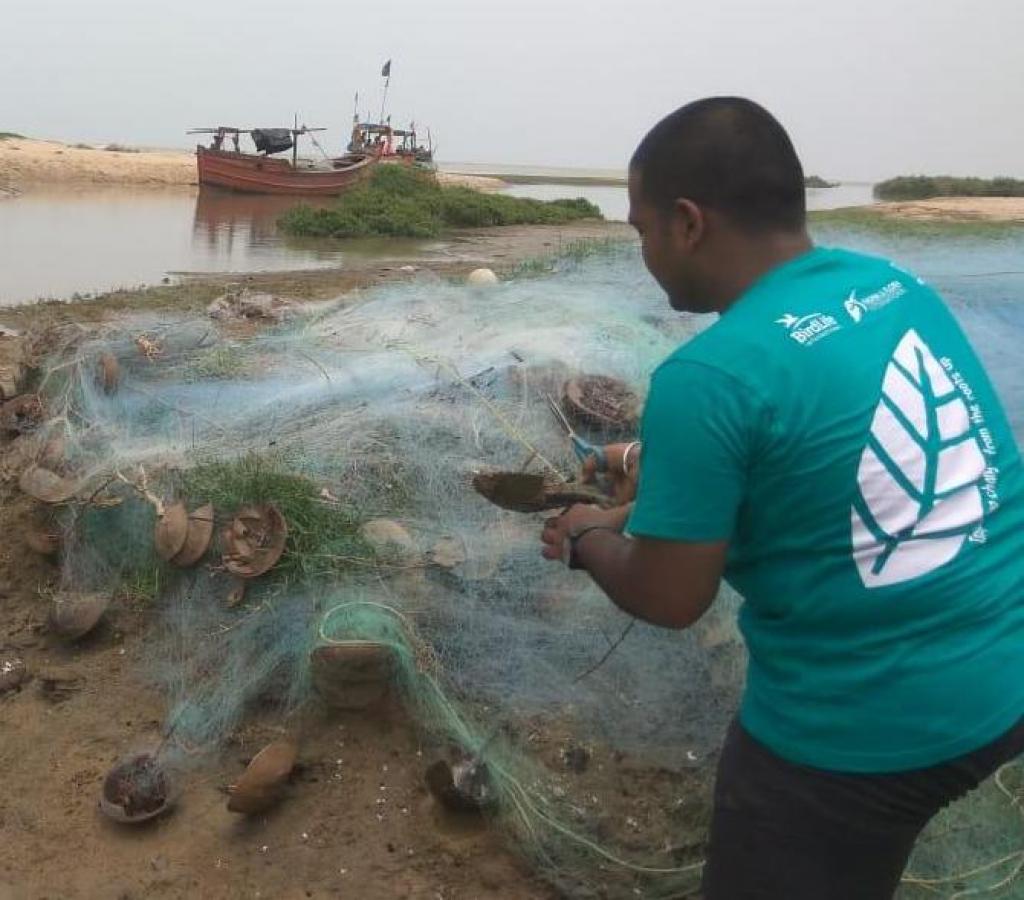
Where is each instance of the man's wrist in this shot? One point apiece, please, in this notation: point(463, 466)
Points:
point(573, 561)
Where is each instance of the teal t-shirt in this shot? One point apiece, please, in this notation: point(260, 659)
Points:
point(837, 429)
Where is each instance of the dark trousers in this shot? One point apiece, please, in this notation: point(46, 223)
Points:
point(782, 831)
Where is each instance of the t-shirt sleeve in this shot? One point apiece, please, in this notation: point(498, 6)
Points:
point(698, 427)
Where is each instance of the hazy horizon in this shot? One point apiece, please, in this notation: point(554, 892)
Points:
point(867, 91)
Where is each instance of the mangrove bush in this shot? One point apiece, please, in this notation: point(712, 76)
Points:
point(922, 187)
point(404, 202)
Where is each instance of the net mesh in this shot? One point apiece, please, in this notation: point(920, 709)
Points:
point(600, 739)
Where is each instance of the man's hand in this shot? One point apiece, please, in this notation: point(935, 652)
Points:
point(558, 528)
point(623, 482)
point(667, 583)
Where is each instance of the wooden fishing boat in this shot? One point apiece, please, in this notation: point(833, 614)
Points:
point(261, 173)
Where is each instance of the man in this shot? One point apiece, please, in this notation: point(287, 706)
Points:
point(833, 448)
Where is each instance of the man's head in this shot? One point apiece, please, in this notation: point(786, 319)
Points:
point(714, 180)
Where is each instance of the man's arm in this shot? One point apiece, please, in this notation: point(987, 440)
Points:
point(666, 583)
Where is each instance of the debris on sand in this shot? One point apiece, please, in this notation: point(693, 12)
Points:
point(246, 304)
point(136, 790)
point(73, 616)
point(448, 552)
point(13, 673)
point(597, 401)
point(353, 674)
point(528, 492)
point(254, 541)
point(462, 786)
point(390, 540)
point(263, 783)
point(21, 414)
point(12, 363)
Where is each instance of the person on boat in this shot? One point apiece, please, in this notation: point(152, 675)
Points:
point(833, 448)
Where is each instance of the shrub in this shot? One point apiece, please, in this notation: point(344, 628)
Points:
point(404, 202)
point(921, 187)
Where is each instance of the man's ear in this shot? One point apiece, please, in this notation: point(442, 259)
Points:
point(688, 224)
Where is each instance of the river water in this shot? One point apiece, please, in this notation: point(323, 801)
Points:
point(56, 242)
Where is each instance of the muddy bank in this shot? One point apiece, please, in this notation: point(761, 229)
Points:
point(24, 163)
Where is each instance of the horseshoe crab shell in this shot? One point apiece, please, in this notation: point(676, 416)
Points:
point(108, 373)
point(254, 541)
point(198, 534)
point(171, 531)
point(46, 486)
point(73, 616)
point(528, 492)
point(262, 784)
point(137, 789)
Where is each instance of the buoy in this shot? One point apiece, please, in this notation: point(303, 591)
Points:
point(481, 277)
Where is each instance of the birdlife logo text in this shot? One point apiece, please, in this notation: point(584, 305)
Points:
point(809, 329)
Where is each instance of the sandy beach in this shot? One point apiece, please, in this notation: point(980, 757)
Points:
point(957, 209)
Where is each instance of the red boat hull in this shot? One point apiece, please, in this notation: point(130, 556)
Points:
point(253, 174)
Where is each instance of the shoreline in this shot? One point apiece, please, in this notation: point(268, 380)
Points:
point(501, 248)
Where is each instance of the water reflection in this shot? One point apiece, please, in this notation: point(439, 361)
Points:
point(225, 221)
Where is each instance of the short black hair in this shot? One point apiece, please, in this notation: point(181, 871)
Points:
point(729, 154)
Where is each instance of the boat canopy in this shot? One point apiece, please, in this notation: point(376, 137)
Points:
point(272, 140)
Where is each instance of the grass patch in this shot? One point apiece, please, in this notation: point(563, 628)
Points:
point(11, 136)
point(323, 537)
point(403, 202)
point(220, 362)
point(572, 251)
point(877, 222)
point(923, 187)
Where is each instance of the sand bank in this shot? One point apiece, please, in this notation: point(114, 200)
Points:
point(956, 209)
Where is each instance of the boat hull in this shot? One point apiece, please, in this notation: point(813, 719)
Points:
point(251, 174)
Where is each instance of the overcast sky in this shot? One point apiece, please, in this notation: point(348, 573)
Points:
point(867, 89)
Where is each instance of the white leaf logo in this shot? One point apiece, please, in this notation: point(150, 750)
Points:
point(919, 474)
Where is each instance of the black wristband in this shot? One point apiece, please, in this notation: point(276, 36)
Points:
point(574, 540)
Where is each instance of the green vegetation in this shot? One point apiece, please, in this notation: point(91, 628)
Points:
point(401, 202)
point(816, 181)
point(323, 535)
point(571, 251)
point(220, 362)
point(921, 187)
point(11, 136)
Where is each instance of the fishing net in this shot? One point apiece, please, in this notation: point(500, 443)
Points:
point(593, 739)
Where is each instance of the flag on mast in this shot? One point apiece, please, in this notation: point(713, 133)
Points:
point(385, 71)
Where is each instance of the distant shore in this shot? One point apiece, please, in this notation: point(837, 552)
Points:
point(27, 164)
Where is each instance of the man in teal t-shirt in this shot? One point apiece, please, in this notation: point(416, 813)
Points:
point(833, 448)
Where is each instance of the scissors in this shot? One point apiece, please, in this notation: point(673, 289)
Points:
point(583, 449)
